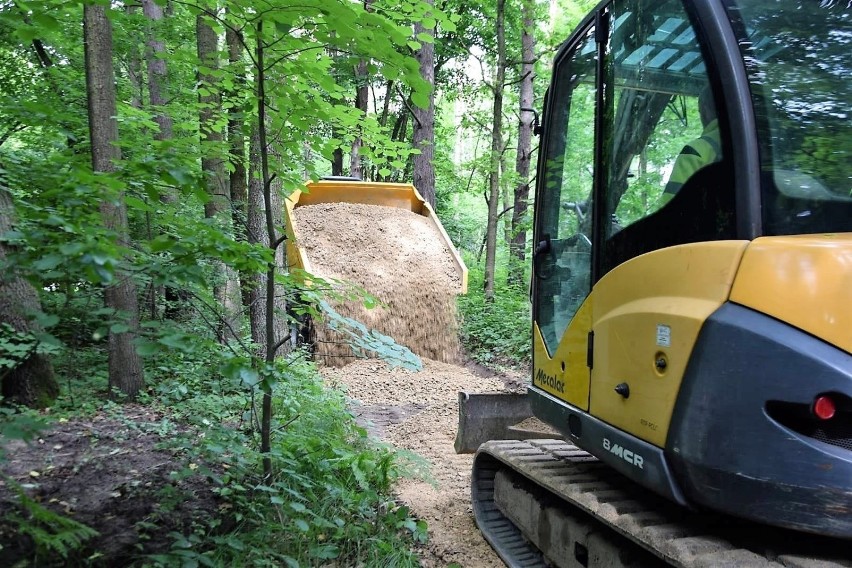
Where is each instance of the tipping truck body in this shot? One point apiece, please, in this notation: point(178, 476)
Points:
point(691, 295)
point(398, 195)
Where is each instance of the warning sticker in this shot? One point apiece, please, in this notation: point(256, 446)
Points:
point(664, 335)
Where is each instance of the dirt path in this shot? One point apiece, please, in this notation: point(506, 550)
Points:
point(419, 412)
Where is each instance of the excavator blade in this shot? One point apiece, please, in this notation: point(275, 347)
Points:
point(496, 416)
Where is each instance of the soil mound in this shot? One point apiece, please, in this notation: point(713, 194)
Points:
point(394, 254)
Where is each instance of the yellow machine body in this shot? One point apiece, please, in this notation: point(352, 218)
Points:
point(647, 313)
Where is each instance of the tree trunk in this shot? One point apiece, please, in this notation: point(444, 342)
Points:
point(518, 245)
point(361, 96)
point(336, 158)
point(125, 365)
point(505, 202)
point(237, 143)
point(31, 382)
point(134, 68)
point(226, 288)
point(157, 73)
point(424, 121)
point(258, 233)
point(276, 328)
point(496, 147)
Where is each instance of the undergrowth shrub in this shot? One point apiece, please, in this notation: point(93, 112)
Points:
point(497, 333)
point(329, 498)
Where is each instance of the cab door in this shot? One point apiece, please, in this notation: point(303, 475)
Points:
point(563, 232)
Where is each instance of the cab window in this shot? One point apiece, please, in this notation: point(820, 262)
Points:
point(668, 178)
point(563, 258)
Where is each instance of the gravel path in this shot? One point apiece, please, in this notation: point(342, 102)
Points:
point(419, 412)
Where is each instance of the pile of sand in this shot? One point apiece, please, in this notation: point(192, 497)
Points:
point(400, 258)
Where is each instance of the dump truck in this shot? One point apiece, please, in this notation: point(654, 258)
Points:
point(386, 239)
point(353, 190)
point(691, 297)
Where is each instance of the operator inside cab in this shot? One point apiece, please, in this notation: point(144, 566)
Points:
point(698, 153)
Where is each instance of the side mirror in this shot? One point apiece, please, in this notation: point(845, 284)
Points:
point(536, 125)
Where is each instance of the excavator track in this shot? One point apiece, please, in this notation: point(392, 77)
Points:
point(547, 502)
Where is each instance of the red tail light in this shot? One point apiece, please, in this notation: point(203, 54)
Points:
point(824, 407)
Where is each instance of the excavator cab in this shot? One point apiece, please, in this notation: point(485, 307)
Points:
point(692, 282)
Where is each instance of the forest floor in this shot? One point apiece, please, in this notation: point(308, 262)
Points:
point(110, 472)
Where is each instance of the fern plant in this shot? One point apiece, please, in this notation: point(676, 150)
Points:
point(51, 532)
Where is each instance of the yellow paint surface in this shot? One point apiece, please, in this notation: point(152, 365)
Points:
point(568, 364)
point(652, 307)
point(805, 281)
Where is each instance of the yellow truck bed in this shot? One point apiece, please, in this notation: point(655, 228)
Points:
point(400, 195)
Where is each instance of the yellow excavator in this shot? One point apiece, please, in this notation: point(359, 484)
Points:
point(691, 296)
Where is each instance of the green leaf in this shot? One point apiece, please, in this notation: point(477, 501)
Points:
point(137, 204)
point(72, 249)
point(420, 98)
point(26, 34)
point(325, 551)
point(119, 328)
point(46, 21)
point(249, 377)
point(46, 320)
point(146, 348)
point(302, 525)
point(162, 243)
point(49, 262)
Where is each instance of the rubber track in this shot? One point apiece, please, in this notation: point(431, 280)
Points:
point(676, 535)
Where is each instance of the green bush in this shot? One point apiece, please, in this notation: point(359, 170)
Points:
point(329, 497)
point(496, 333)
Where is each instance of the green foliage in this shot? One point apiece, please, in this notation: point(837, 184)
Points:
point(16, 347)
point(369, 342)
point(51, 532)
point(496, 333)
point(329, 497)
point(18, 424)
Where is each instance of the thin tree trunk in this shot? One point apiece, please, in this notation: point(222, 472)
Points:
point(424, 121)
point(259, 234)
point(518, 246)
point(226, 288)
point(336, 158)
point(134, 68)
point(496, 147)
point(361, 96)
point(125, 365)
point(383, 119)
point(237, 143)
point(275, 305)
point(31, 382)
point(157, 72)
point(505, 203)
